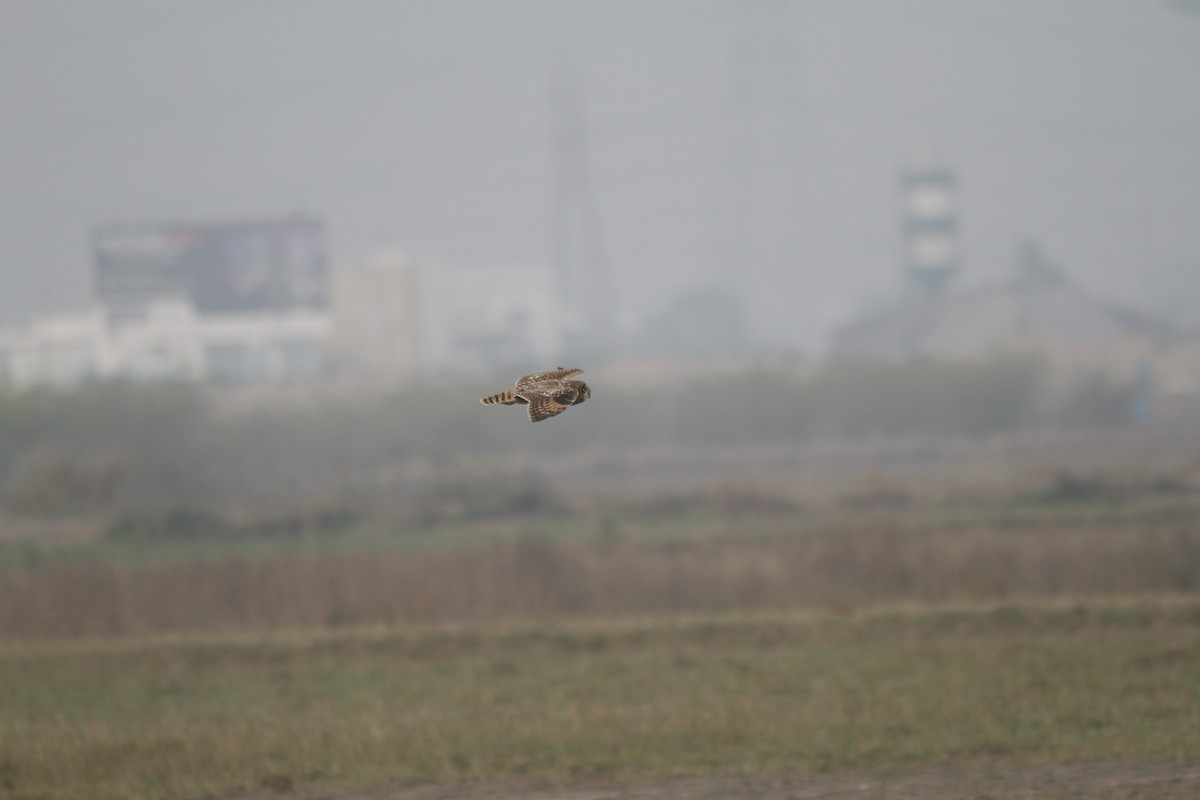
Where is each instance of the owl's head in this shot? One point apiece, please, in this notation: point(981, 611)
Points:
point(584, 392)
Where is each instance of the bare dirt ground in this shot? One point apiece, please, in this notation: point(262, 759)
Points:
point(1095, 781)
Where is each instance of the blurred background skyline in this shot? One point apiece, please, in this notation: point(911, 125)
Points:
point(749, 147)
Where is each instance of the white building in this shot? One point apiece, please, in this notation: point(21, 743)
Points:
point(57, 351)
point(478, 318)
point(388, 318)
point(169, 342)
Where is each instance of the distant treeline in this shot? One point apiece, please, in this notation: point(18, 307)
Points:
point(110, 446)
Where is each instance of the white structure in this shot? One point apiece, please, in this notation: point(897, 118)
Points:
point(170, 342)
point(482, 317)
point(58, 351)
point(929, 225)
point(388, 318)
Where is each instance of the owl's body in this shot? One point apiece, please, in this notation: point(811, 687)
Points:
point(547, 394)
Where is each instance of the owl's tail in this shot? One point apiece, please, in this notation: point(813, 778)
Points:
point(506, 397)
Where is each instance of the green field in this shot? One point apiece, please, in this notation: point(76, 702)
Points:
point(563, 700)
point(713, 635)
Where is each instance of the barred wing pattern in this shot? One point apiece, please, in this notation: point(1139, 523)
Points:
point(547, 394)
point(559, 374)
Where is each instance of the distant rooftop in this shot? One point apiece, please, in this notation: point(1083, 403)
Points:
point(1040, 305)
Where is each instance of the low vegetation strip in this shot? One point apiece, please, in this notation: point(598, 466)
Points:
point(577, 700)
point(577, 567)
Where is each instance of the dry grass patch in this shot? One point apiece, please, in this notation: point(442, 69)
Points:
point(519, 568)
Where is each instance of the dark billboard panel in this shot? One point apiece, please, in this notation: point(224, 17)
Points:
point(270, 265)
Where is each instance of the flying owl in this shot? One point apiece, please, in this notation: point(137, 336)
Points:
point(547, 394)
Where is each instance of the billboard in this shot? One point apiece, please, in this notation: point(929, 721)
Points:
point(258, 265)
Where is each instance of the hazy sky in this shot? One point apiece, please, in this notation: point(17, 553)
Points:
point(427, 126)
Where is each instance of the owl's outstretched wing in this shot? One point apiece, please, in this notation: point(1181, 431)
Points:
point(549, 399)
point(559, 374)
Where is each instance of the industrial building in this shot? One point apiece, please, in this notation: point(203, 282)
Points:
point(1037, 309)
